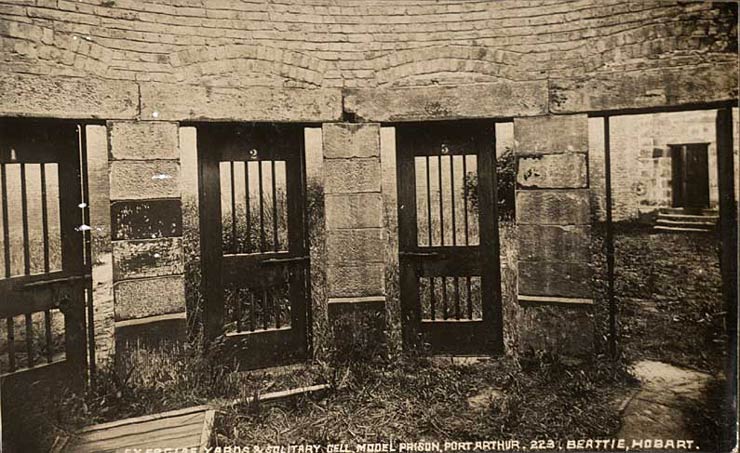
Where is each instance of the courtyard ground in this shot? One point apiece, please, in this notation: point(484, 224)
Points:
point(671, 314)
point(671, 321)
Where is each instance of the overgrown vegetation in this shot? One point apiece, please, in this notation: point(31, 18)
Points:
point(668, 290)
point(415, 398)
point(506, 185)
point(668, 294)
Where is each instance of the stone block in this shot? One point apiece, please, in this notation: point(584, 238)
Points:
point(162, 101)
point(347, 140)
point(352, 175)
point(645, 89)
point(140, 298)
point(554, 278)
point(553, 171)
point(356, 210)
point(570, 243)
point(45, 96)
point(499, 99)
point(355, 247)
point(355, 281)
point(146, 219)
point(551, 134)
point(137, 180)
point(147, 258)
point(143, 140)
point(553, 207)
point(561, 330)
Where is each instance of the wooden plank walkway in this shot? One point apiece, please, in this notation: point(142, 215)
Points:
point(176, 430)
point(180, 430)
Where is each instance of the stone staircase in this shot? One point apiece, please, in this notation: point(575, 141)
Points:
point(686, 220)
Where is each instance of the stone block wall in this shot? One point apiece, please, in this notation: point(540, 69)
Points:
point(553, 219)
point(641, 161)
point(354, 233)
point(148, 264)
point(149, 69)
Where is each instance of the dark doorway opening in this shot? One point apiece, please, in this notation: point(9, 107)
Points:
point(690, 180)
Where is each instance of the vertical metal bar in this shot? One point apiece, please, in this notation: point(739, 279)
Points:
point(275, 240)
point(445, 311)
point(728, 230)
point(11, 343)
point(452, 200)
point(49, 340)
point(87, 238)
point(29, 340)
point(252, 315)
point(457, 297)
point(24, 220)
point(6, 230)
point(264, 309)
point(441, 206)
point(249, 208)
point(465, 196)
point(233, 207)
point(433, 301)
point(610, 242)
point(44, 218)
point(470, 298)
point(262, 209)
point(429, 212)
point(277, 306)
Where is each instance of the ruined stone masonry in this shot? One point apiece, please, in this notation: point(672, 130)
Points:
point(145, 75)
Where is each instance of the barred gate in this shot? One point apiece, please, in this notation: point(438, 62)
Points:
point(253, 242)
point(44, 274)
point(448, 237)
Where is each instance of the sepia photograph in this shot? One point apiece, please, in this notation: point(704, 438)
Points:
point(369, 226)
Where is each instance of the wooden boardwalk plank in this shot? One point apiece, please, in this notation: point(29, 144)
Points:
point(185, 428)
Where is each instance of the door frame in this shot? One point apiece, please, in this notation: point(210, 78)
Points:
point(438, 333)
point(67, 288)
point(680, 174)
point(212, 140)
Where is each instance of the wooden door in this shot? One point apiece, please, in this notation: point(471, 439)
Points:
point(254, 247)
point(690, 175)
point(448, 238)
point(43, 275)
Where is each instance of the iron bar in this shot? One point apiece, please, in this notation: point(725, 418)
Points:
point(262, 209)
point(24, 220)
point(452, 200)
point(45, 218)
point(429, 209)
point(465, 196)
point(441, 205)
point(233, 207)
point(470, 299)
point(275, 240)
point(249, 208)
point(6, 219)
point(610, 242)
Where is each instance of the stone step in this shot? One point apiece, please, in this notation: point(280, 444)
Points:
point(700, 222)
point(689, 211)
point(670, 229)
point(688, 218)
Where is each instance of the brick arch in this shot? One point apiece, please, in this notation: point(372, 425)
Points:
point(64, 53)
point(447, 63)
point(236, 64)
